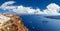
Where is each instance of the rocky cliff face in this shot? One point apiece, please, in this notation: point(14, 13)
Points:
point(9, 22)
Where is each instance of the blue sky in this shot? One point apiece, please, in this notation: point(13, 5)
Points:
point(33, 3)
point(31, 6)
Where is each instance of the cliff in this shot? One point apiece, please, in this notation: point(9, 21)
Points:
point(10, 22)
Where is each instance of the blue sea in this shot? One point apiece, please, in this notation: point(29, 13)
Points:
point(41, 23)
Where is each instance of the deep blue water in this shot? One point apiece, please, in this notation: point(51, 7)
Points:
point(41, 23)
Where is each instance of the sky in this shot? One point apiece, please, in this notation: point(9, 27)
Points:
point(49, 7)
point(33, 3)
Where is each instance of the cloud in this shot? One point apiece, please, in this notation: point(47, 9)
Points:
point(5, 5)
point(51, 9)
point(19, 9)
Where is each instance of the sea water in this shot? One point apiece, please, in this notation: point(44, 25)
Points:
point(41, 23)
